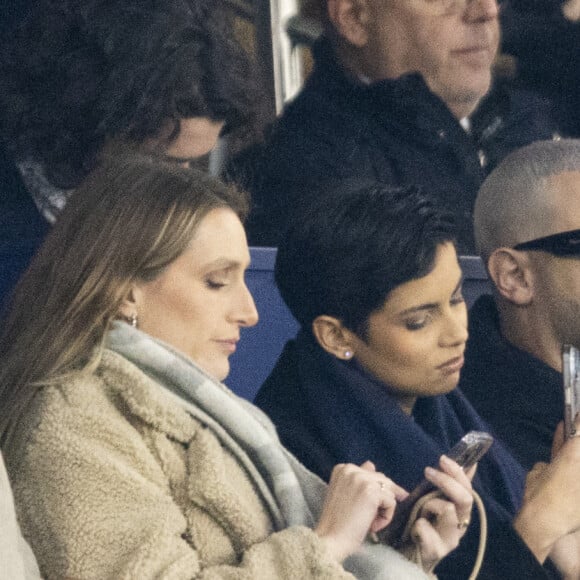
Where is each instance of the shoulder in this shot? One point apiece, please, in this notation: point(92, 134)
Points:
point(320, 128)
point(111, 406)
point(280, 392)
point(515, 114)
point(16, 557)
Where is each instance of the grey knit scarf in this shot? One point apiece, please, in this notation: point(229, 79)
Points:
point(293, 494)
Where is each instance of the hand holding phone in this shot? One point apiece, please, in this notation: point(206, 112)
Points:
point(466, 452)
point(571, 385)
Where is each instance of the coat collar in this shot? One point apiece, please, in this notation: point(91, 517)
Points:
point(141, 395)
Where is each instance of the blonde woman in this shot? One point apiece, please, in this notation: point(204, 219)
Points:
point(129, 459)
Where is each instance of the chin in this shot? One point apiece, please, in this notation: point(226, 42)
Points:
point(445, 387)
point(221, 375)
point(219, 371)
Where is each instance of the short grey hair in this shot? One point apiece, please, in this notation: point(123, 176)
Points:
point(513, 204)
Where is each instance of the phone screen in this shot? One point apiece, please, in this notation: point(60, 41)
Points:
point(466, 452)
point(571, 385)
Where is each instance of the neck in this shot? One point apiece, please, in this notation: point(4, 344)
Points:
point(462, 110)
point(359, 65)
point(406, 403)
point(531, 334)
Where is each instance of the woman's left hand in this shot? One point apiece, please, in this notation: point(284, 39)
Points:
point(444, 521)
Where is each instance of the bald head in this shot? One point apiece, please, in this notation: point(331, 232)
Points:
point(529, 196)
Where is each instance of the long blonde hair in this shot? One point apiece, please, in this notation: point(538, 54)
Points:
point(131, 218)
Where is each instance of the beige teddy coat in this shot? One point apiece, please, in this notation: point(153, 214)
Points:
point(114, 479)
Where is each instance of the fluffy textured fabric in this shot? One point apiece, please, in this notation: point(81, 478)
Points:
point(17, 561)
point(329, 411)
point(120, 474)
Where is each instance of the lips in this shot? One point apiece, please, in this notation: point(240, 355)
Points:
point(479, 53)
point(477, 48)
point(453, 365)
point(229, 345)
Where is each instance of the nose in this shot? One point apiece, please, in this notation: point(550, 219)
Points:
point(246, 313)
point(455, 327)
point(481, 10)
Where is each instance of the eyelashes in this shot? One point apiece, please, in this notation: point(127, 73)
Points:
point(214, 284)
point(419, 323)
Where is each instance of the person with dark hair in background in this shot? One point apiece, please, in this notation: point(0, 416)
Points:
point(128, 456)
point(373, 278)
point(165, 76)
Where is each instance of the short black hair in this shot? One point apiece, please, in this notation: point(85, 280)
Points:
point(349, 249)
point(78, 73)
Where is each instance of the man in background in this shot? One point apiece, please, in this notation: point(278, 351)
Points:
point(401, 93)
point(527, 231)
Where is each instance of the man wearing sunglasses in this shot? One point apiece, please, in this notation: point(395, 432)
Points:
point(527, 230)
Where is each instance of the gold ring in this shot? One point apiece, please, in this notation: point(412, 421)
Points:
point(462, 525)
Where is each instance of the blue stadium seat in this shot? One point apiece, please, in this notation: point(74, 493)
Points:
point(261, 345)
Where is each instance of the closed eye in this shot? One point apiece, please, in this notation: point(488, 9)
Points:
point(418, 323)
point(214, 285)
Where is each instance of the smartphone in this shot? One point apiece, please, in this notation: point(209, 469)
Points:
point(571, 384)
point(466, 452)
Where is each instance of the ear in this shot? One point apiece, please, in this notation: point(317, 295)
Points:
point(350, 19)
point(130, 305)
point(511, 275)
point(333, 337)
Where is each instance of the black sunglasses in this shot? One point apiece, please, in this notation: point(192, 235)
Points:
point(562, 244)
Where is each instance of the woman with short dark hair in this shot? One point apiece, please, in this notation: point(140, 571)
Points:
point(372, 276)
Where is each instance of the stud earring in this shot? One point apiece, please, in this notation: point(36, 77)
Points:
point(347, 354)
point(133, 320)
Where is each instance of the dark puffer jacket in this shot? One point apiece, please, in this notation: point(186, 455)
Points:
point(395, 131)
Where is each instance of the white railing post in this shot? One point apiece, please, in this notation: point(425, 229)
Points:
point(287, 63)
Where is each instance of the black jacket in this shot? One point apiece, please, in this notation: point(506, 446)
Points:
point(394, 131)
point(22, 227)
point(516, 393)
point(547, 49)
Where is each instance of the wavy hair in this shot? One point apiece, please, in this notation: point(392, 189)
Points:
point(79, 73)
point(127, 222)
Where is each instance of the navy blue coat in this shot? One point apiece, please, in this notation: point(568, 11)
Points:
point(328, 411)
point(22, 227)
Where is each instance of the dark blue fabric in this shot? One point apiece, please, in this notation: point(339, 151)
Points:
point(22, 228)
point(518, 394)
point(394, 131)
point(547, 48)
point(329, 411)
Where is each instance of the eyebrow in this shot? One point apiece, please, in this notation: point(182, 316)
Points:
point(429, 305)
point(223, 264)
